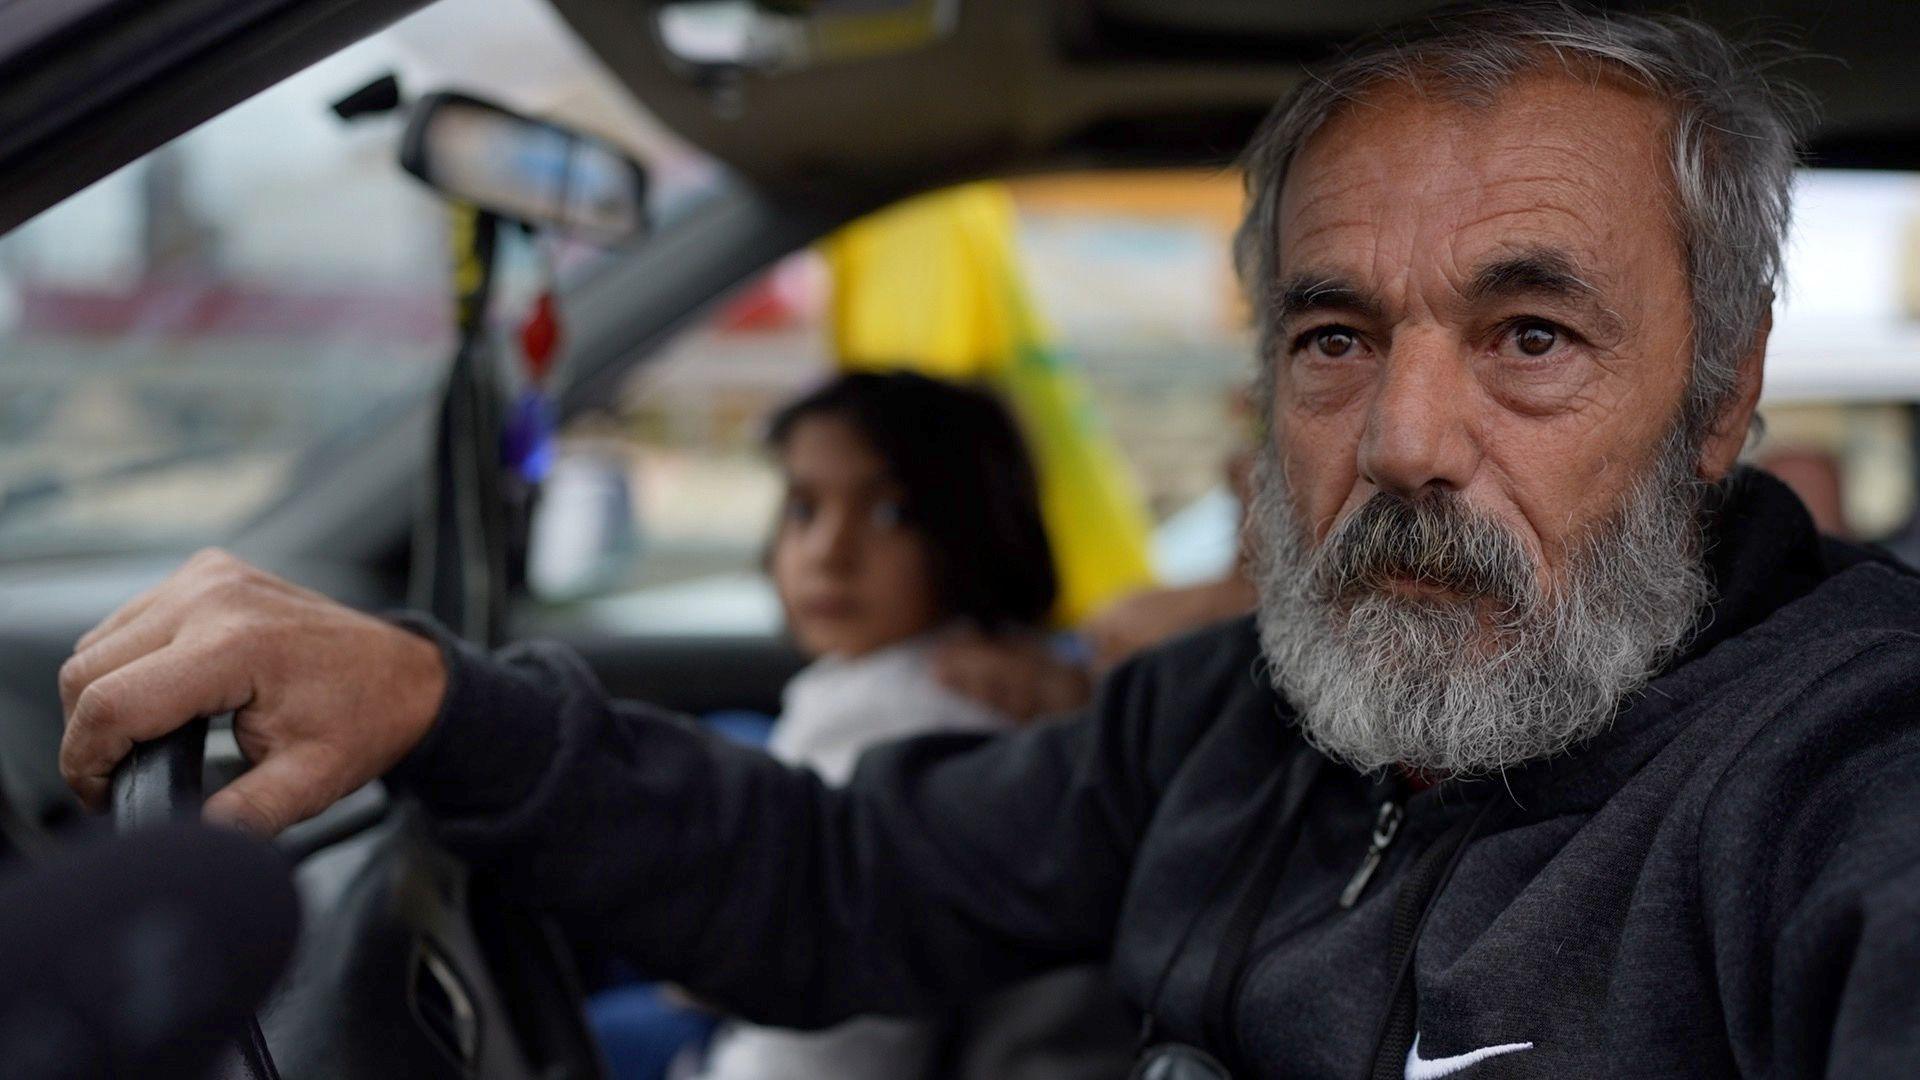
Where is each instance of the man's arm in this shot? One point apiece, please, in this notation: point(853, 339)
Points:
point(324, 698)
point(1847, 963)
point(948, 865)
point(1811, 875)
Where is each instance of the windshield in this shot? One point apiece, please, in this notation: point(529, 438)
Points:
point(179, 341)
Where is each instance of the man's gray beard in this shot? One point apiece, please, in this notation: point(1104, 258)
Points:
point(1380, 678)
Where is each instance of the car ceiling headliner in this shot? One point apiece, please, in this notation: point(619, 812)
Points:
point(1045, 84)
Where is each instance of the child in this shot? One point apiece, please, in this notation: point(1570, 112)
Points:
point(911, 510)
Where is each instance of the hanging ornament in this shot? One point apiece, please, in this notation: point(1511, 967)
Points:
point(527, 439)
point(540, 336)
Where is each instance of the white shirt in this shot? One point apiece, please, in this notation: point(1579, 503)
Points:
point(837, 708)
point(830, 713)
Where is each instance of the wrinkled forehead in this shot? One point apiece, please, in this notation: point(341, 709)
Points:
point(1402, 181)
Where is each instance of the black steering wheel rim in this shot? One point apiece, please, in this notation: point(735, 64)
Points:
point(160, 781)
point(422, 934)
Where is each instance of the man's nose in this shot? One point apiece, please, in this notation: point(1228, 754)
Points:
point(1420, 430)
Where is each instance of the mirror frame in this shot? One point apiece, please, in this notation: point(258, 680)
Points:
point(415, 160)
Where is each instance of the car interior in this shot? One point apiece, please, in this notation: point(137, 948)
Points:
point(761, 129)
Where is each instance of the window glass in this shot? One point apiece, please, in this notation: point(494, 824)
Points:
point(177, 335)
point(181, 340)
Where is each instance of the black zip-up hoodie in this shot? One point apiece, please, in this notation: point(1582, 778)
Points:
point(1727, 882)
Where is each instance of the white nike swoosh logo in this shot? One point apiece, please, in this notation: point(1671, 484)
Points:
point(1419, 1068)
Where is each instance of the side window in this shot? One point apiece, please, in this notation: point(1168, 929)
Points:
point(187, 343)
point(184, 335)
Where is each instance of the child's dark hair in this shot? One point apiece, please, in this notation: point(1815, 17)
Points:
point(970, 487)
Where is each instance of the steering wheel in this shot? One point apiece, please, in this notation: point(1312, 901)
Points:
point(158, 782)
point(408, 964)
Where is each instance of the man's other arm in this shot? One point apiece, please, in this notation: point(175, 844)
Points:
point(949, 864)
point(1811, 875)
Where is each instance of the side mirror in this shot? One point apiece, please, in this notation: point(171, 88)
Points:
point(533, 172)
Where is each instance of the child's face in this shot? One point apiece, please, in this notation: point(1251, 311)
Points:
point(852, 578)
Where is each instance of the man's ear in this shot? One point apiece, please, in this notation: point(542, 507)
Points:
point(1721, 450)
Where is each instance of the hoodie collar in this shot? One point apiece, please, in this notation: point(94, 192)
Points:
point(1762, 553)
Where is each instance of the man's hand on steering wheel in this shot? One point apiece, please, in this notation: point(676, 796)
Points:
point(324, 698)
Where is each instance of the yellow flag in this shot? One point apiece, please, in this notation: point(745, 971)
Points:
point(934, 285)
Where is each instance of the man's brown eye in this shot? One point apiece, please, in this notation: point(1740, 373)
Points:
point(1536, 340)
point(1334, 342)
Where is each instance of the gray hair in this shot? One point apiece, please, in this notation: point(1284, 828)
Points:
point(1734, 146)
point(1529, 671)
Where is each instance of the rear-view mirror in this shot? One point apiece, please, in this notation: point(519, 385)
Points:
point(534, 172)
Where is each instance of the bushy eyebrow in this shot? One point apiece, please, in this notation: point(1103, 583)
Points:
point(1542, 270)
point(1545, 273)
point(1322, 292)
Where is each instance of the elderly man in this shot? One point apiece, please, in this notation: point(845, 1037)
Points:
point(1560, 745)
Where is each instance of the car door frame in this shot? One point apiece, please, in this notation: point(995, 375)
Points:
point(86, 87)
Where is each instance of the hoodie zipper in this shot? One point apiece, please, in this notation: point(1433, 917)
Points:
point(1424, 882)
point(1386, 826)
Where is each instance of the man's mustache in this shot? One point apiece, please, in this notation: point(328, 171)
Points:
point(1436, 539)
